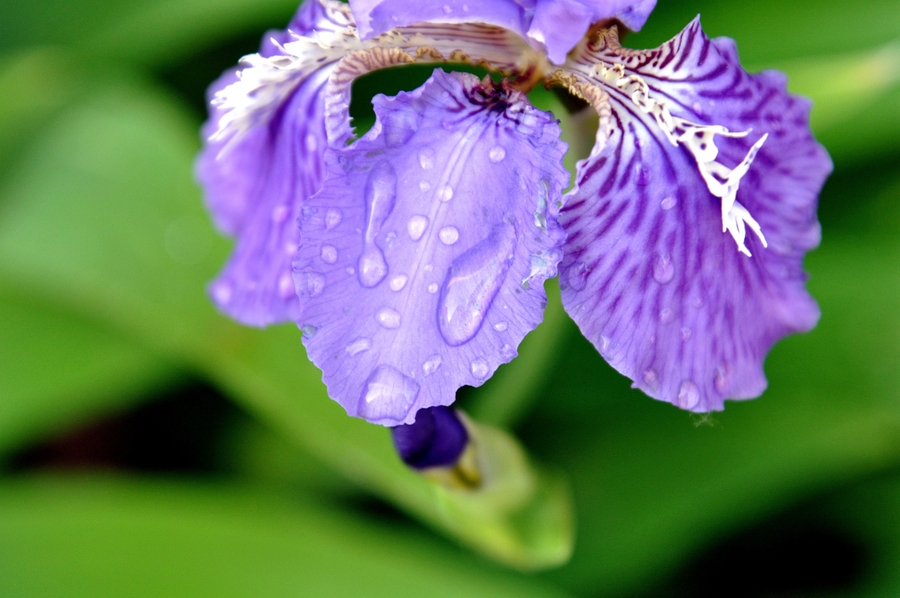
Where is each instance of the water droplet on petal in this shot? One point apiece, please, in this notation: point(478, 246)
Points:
point(380, 194)
point(447, 9)
point(398, 282)
point(387, 395)
point(333, 217)
point(445, 193)
point(663, 270)
point(641, 175)
point(424, 186)
point(308, 331)
point(433, 288)
point(507, 352)
point(388, 318)
point(372, 266)
point(722, 379)
point(606, 344)
point(667, 203)
point(473, 280)
point(651, 378)
point(280, 214)
point(686, 334)
point(329, 254)
point(432, 364)
point(480, 368)
point(358, 346)
point(416, 227)
point(688, 395)
point(666, 315)
point(501, 326)
point(540, 214)
point(309, 284)
point(497, 154)
point(426, 158)
point(222, 293)
point(449, 235)
point(286, 286)
point(290, 249)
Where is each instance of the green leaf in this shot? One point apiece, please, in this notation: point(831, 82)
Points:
point(57, 368)
point(118, 537)
point(88, 222)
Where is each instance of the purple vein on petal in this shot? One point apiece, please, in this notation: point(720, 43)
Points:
point(648, 275)
point(425, 252)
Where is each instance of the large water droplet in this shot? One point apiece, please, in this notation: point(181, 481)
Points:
point(308, 283)
point(398, 282)
point(358, 346)
point(372, 266)
point(329, 254)
point(497, 154)
point(688, 395)
point(577, 275)
point(667, 203)
point(387, 396)
point(449, 235)
point(388, 317)
point(416, 226)
point(480, 368)
point(333, 217)
point(663, 270)
point(473, 280)
point(432, 364)
point(380, 194)
point(445, 193)
point(433, 288)
point(426, 158)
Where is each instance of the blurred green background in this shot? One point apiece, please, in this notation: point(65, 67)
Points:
point(149, 447)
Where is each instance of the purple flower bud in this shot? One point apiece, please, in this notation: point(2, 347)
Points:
point(436, 439)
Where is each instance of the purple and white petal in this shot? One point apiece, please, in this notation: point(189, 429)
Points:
point(554, 26)
point(684, 309)
point(425, 252)
point(262, 158)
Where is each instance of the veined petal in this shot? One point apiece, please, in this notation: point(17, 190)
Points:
point(551, 25)
point(255, 170)
point(649, 275)
point(425, 252)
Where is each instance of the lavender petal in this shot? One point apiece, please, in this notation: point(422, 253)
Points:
point(425, 252)
point(649, 276)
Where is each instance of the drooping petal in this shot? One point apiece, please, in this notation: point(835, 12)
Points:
point(649, 275)
point(255, 171)
point(424, 254)
point(551, 25)
point(436, 439)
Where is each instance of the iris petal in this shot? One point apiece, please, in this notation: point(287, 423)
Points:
point(649, 275)
point(425, 252)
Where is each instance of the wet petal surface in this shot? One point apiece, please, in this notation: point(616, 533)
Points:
point(425, 252)
point(649, 275)
point(255, 172)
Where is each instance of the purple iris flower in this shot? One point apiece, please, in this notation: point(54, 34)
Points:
point(414, 258)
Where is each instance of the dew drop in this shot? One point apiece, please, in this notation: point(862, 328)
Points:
point(358, 346)
point(449, 235)
point(390, 238)
point(333, 217)
point(286, 286)
point(329, 254)
point(290, 249)
point(387, 396)
point(507, 352)
point(651, 378)
point(372, 266)
point(447, 9)
point(426, 158)
point(380, 194)
point(722, 379)
point(688, 395)
point(445, 193)
point(433, 288)
point(309, 284)
point(472, 282)
point(416, 226)
point(432, 364)
point(222, 293)
point(666, 315)
point(667, 203)
point(540, 214)
point(312, 144)
point(606, 344)
point(501, 326)
point(686, 333)
point(308, 331)
point(663, 270)
point(424, 186)
point(428, 267)
point(480, 368)
point(280, 214)
point(641, 175)
point(398, 282)
point(497, 154)
point(388, 318)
